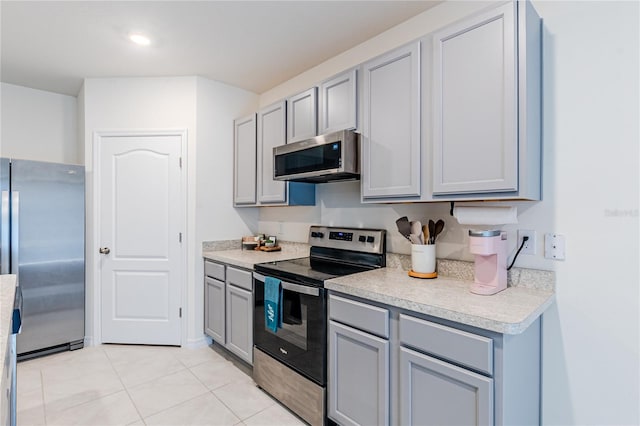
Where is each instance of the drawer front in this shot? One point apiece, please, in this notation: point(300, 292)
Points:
point(240, 278)
point(449, 343)
point(214, 270)
point(371, 319)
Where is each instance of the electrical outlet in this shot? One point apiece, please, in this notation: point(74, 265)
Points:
point(530, 245)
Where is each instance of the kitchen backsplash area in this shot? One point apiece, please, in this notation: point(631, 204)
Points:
point(456, 269)
point(237, 244)
point(338, 204)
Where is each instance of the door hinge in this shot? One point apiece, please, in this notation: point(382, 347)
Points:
point(180, 161)
point(180, 237)
point(180, 313)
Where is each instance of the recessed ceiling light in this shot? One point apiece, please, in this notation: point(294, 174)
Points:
point(140, 39)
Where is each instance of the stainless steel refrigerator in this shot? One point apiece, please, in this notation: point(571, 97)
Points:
point(42, 235)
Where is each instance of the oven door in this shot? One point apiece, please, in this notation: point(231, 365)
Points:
point(302, 341)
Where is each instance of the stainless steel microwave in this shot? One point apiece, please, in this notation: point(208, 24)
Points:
point(324, 158)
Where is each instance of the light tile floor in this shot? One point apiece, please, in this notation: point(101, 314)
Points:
point(142, 385)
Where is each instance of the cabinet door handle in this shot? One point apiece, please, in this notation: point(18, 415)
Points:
point(104, 250)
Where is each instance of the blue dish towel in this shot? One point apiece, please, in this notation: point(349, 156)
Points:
point(272, 303)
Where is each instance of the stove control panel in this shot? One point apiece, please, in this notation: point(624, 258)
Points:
point(356, 239)
point(342, 236)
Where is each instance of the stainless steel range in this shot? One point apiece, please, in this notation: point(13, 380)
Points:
point(291, 364)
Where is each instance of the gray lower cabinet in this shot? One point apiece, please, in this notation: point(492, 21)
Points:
point(214, 320)
point(434, 393)
point(359, 348)
point(240, 322)
point(392, 366)
point(228, 312)
point(358, 377)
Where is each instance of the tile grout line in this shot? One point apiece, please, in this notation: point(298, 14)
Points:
point(175, 405)
point(44, 406)
point(124, 387)
point(85, 402)
point(149, 380)
point(236, 414)
point(168, 407)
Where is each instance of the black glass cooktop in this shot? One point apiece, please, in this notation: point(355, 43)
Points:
point(311, 271)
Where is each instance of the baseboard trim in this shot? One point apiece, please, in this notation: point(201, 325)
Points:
point(198, 343)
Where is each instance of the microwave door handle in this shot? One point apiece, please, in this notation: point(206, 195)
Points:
point(296, 288)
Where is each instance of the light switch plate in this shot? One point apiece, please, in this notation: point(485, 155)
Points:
point(554, 246)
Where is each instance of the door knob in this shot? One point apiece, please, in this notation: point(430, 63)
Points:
point(105, 250)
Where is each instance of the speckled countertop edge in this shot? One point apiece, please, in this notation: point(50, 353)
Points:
point(509, 312)
point(7, 296)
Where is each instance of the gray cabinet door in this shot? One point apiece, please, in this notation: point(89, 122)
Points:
point(214, 312)
point(434, 392)
point(244, 152)
point(391, 124)
point(271, 133)
point(302, 113)
point(338, 103)
point(475, 147)
point(240, 322)
point(358, 379)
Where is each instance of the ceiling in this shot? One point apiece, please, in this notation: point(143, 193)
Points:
point(255, 45)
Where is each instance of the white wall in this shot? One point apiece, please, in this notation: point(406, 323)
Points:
point(216, 218)
point(590, 173)
point(38, 125)
point(137, 104)
point(206, 109)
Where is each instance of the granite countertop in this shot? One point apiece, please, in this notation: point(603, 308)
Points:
point(7, 296)
point(247, 258)
point(509, 312)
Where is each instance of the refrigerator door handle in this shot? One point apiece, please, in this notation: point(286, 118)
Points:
point(4, 238)
point(15, 230)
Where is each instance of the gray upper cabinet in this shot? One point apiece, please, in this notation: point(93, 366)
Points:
point(302, 113)
point(391, 125)
point(434, 393)
point(271, 133)
point(244, 153)
point(338, 103)
point(486, 105)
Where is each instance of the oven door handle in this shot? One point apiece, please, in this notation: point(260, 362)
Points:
point(297, 288)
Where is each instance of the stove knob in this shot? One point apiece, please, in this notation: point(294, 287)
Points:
point(320, 235)
point(362, 238)
point(370, 239)
point(314, 235)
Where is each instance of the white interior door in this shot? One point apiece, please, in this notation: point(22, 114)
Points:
point(140, 242)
